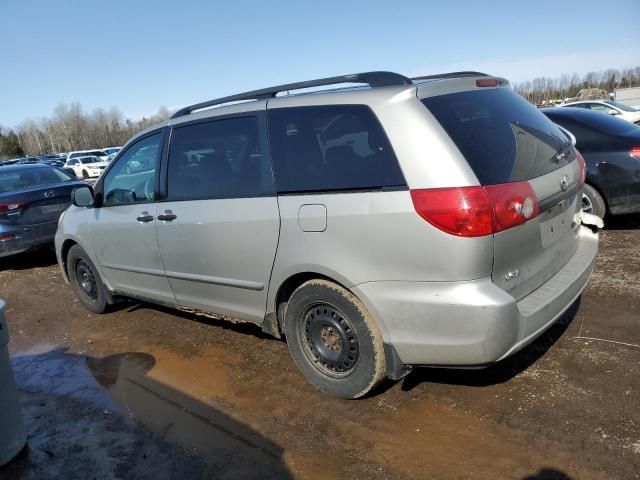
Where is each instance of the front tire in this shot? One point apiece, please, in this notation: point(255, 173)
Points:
point(334, 341)
point(85, 280)
point(592, 202)
point(85, 174)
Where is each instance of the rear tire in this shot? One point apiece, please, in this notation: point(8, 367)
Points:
point(334, 341)
point(592, 202)
point(85, 280)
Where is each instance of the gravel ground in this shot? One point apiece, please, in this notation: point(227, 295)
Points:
point(149, 392)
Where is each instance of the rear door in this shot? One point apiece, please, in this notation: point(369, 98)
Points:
point(505, 139)
point(219, 224)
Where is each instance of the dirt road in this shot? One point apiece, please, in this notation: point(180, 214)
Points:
point(149, 392)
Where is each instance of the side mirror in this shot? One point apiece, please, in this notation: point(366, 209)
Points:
point(82, 197)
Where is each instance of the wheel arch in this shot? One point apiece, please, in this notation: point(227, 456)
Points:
point(600, 192)
point(64, 253)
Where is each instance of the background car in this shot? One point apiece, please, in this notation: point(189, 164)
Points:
point(53, 160)
point(32, 197)
point(87, 167)
point(611, 149)
point(111, 150)
point(609, 107)
point(102, 155)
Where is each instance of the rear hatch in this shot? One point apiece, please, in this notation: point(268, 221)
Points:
point(506, 140)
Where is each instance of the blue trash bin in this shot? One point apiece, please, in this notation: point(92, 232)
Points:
point(12, 433)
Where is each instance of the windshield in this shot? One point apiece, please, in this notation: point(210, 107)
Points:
point(622, 106)
point(90, 160)
point(18, 179)
point(502, 136)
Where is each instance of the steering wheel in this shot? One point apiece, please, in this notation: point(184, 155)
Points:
point(148, 189)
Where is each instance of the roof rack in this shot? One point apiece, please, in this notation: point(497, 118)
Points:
point(452, 75)
point(373, 79)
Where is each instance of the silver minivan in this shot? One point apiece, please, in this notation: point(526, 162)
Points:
point(388, 224)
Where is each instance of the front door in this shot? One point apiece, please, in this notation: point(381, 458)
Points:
point(218, 230)
point(124, 231)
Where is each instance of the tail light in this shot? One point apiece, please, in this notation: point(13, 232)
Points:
point(635, 153)
point(583, 167)
point(7, 208)
point(477, 211)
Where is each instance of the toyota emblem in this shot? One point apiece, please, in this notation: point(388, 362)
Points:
point(564, 182)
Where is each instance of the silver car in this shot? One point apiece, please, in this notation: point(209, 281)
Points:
point(402, 222)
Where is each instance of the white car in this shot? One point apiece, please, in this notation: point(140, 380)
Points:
point(111, 151)
point(610, 107)
point(101, 154)
point(87, 167)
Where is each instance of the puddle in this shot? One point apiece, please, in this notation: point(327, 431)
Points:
point(112, 416)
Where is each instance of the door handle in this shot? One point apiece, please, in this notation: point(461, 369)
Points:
point(145, 217)
point(167, 216)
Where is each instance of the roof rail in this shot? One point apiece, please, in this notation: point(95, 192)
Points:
point(373, 79)
point(452, 75)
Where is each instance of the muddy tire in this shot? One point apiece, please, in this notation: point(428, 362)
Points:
point(334, 341)
point(85, 280)
point(592, 202)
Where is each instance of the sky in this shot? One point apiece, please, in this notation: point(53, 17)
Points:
point(138, 55)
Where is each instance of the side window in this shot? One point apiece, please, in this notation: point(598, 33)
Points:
point(598, 107)
point(331, 148)
point(218, 159)
point(131, 180)
point(73, 162)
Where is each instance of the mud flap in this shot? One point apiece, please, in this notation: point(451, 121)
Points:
point(395, 368)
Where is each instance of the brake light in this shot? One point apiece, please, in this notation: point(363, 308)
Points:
point(635, 153)
point(461, 211)
point(6, 236)
point(11, 207)
point(487, 82)
point(582, 166)
point(513, 204)
point(476, 211)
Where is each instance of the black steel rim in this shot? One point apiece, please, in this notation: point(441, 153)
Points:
point(329, 339)
point(86, 281)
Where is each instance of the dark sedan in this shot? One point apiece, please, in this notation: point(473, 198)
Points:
point(611, 149)
point(32, 197)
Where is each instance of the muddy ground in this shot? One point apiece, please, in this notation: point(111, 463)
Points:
point(146, 392)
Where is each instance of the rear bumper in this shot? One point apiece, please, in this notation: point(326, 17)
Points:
point(474, 322)
point(26, 237)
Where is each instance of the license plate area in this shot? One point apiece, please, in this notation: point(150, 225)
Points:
point(55, 208)
point(558, 223)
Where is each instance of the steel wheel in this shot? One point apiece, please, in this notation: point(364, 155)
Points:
point(86, 281)
point(330, 340)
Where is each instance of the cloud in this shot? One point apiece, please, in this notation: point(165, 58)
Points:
point(528, 68)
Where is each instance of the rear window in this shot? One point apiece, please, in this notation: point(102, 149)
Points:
point(31, 177)
point(502, 137)
point(331, 148)
point(606, 123)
